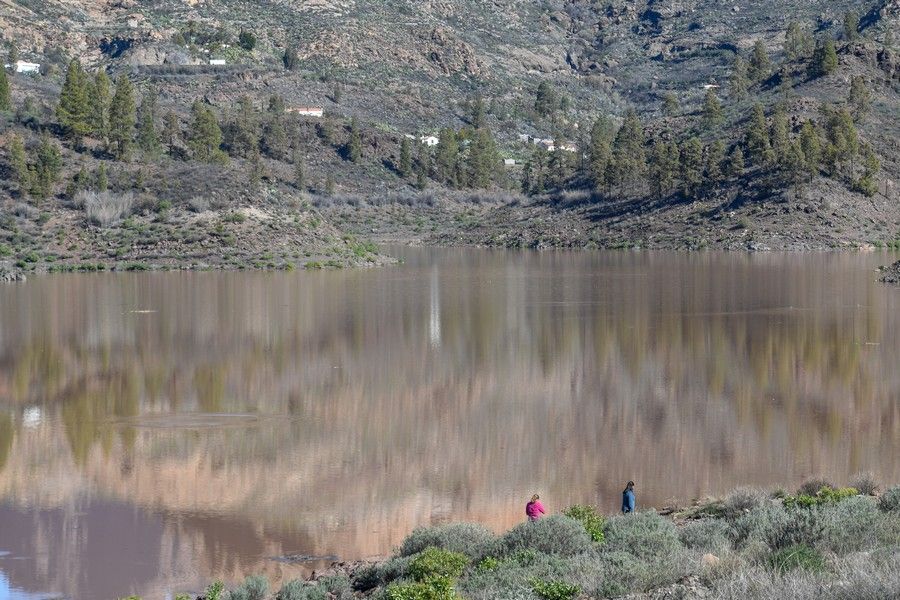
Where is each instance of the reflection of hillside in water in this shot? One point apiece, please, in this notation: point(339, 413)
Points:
point(383, 400)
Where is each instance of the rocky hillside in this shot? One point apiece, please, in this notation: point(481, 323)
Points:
point(386, 70)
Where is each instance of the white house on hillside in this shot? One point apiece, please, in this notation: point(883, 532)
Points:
point(22, 66)
point(509, 162)
point(307, 111)
point(219, 62)
point(568, 147)
point(429, 140)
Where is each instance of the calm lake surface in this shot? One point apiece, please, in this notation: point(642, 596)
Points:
point(160, 430)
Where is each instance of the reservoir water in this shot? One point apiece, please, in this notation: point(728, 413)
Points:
point(161, 430)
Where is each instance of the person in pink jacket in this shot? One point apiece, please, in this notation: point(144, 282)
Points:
point(534, 509)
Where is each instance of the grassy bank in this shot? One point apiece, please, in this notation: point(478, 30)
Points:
point(821, 542)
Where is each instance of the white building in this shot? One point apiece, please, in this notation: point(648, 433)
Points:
point(546, 144)
point(307, 111)
point(509, 162)
point(524, 138)
point(21, 66)
point(219, 62)
point(429, 140)
point(568, 147)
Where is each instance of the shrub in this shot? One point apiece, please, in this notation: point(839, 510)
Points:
point(557, 534)
point(590, 518)
point(758, 525)
point(554, 589)
point(214, 591)
point(705, 535)
point(488, 563)
point(811, 487)
point(801, 527)
point(299, 590)
point(254, 587)
point(198, 204)
point(825, 495)
point(742, 500)
point(865, 482)
point(105, 208)
point(890, 500)
point(851, 525)
point(439, 588)
point(643, 534)
point(798, 556)
point(475, 541)
point(434, 562)
point(372, 576)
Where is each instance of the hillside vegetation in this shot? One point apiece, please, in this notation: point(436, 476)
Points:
point(688, 124)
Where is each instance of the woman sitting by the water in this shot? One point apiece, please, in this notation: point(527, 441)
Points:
point(628, 498)
point(534, 509)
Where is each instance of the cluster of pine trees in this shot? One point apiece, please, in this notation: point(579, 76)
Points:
point(626, 161)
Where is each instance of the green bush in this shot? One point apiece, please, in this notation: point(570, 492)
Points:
point(372, 576)
point(851, 526)
point(705, 535)
point(475, 541)
point(742, 500)
point(802, 527)
point(758, 525)
point(554, 589)
point(644, 534)
point(799, 556)
point(488, 563)
point(434, 562)
point(811, 487)
point(214, 591)
point(557, 534)
point(890, 500)
point(437, 588)
point(300, 590)
point(825, 495)
point(590, 518)
point(254, 587)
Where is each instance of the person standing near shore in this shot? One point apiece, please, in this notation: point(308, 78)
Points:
point(534, 509)
point(628, 498)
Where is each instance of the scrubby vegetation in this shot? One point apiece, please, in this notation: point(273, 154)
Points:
point(751, 545)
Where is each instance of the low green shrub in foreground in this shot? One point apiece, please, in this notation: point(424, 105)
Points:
point(473, 540)
point(799, 556)
point(434, 562)
point(215, 591)
point(436, 588)
point(643, 534)
point(254, 587)
point(825, 495)
point(557, 535)
point(890, 500)
point(554, 589)
point(590, 518)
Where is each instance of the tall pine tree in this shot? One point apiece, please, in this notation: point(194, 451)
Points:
point(147, 136)
point(73, 109)
point(122, 118)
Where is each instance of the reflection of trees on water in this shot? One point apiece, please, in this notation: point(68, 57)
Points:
point(565, 374)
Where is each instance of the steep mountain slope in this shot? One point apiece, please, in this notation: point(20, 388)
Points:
point(410, 67)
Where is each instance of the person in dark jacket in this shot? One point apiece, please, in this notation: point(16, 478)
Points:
point(628, 498)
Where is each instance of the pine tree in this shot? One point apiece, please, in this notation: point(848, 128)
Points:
point(691, 166)
point(243, 131)
point(47, 166)
point(100, 105)
point(483, 159)
point(798, 42)
point(739, 81)
point(661, 168)
point(842, 136)
point(477, 112)
point(867, 183)
point(794, 164)
point(423, 167)
point(527, 180)
point(299, 173)
point(354, 145)
point(736, 162)
point(715, 157)
point(760, 66)
point(5, 100)
point(860, 100)
point(274, 138)
point(447, 157)
point(670, 104)
point(147, 137)
point(122, 118)
point(290, 59)
point(255, 167)
point(600, 151)
point(825, 60)
point(628, 151)
point(712, 110)
point(811, 147)
point(851, 25)
point(19, 161)
point(780, 136)
point(405, 165)
point(73, 110)
point(171, 131)
point(102, 178)
point(13, 54)
point(546, 100)
point(758, 138)
point(205, 137)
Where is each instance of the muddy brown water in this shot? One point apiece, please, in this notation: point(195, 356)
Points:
point(160, 430)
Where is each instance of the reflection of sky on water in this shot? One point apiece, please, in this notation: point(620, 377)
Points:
point(258, 415)
point(8, 592)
